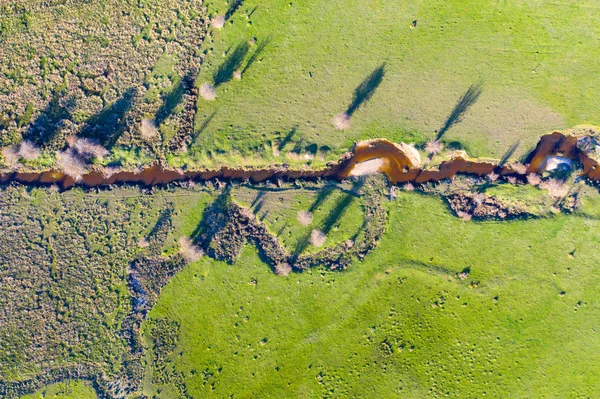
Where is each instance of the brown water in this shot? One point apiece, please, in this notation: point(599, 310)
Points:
point(397, 167)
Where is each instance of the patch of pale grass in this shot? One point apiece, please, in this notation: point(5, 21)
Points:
point(305, 218)
point(188, 250)
point(143, 243)
point(148, 129)
point(317, 238)
point(29, 151)
point(237, 75)
point(341, 121)
point(218, 22)
point(71, 164)
point(208, 91)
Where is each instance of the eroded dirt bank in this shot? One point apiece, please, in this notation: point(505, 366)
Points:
point(400, 163)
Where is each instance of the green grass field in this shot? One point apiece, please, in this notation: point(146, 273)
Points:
point(535, 60)
point(402, 323)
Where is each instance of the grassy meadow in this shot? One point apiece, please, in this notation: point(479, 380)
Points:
point(442, 307)
point(535, 60)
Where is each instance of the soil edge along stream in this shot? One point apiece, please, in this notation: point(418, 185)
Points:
point(399, 162)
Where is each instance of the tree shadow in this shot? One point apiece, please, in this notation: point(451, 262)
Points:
point(288, 137)
point(46, 125)
point(365, 90)
point(234, 5)
point(260, 48)
point(201, 129)
point(462, 106)
point(259, 198)
point(508, 154)
point(173, 98)
point(321, 197)
point(233, 62)
point(338, 211)
point(214, 217)
point(109, 124)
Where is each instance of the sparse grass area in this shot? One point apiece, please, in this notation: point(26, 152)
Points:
point(66, 302)
point(518, 322)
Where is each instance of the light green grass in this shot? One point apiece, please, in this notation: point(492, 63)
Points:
point(64, 390)
point(536, 60)
point(401, 323)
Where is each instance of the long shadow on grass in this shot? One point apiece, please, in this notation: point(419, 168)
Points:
point(288, 137)
point(234, 5)
point(260, 48)
point(109, 124)
point(201, 129)
point(365, 90)
point(46, 125)
point(173, 98)
point(339, 209)
point(509, 153)
point(231, 64)
point(462, 106)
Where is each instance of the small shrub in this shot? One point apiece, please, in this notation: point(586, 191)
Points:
point(148, 129)
point(208, 92)
point(305, 218)
point(188, 250)
point(341, 121)
point(519, 167)
point(534, 179)
point(555, 188)
point(89, 148)
point(218, 22)
point(317, 238)
point(492, 177)
point(29, 151)
point(283, 269)
point(434, 147)
point(71, 164)
point(10, 155)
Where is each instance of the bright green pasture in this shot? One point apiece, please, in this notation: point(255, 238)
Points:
point(536, 59)
point(404, 322)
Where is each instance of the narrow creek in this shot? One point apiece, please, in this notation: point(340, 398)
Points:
point(396, 162)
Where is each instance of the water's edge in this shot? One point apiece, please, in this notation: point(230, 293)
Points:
point(397, 166)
